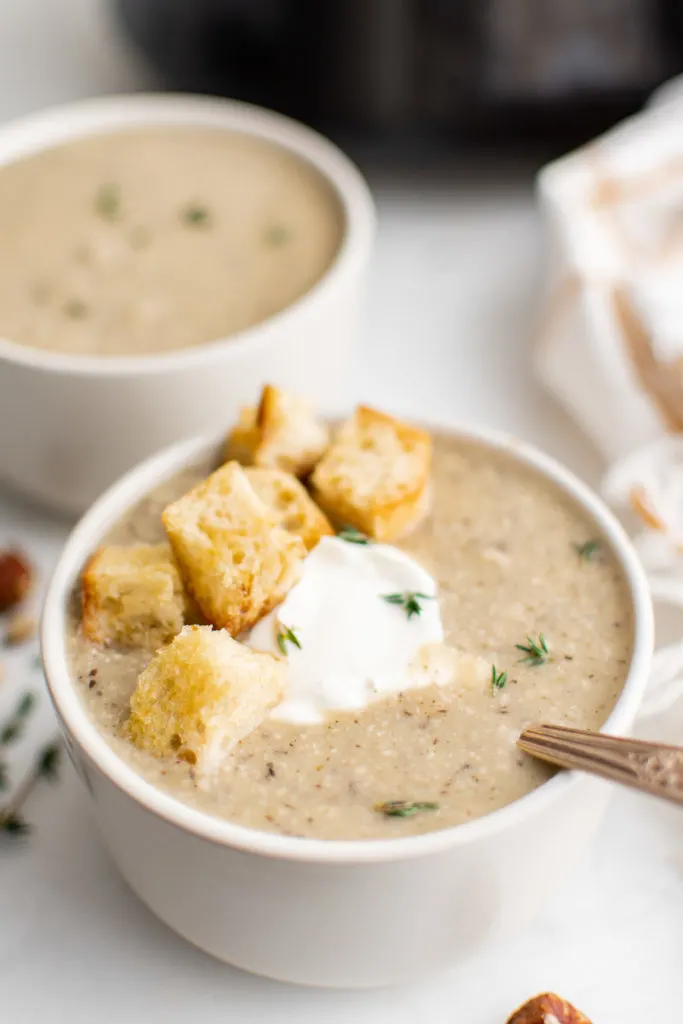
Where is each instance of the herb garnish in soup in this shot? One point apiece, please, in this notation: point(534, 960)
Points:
point(353, 657)
point(149, 240)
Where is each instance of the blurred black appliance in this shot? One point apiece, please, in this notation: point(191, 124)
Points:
point(467, 71)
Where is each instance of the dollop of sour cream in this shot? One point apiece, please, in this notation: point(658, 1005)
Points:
point(355, 646)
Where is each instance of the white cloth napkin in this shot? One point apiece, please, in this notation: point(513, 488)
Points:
point(611, 343)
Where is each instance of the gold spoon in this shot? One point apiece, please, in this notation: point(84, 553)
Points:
point(653, 768)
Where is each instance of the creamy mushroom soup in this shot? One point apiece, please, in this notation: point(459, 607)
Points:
point(528, 591)
point(155, 239)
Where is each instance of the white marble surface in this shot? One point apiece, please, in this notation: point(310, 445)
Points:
point(449, 322)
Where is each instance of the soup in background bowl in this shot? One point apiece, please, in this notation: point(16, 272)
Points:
point(149, 240)
point(162, 251)
point(353, 896)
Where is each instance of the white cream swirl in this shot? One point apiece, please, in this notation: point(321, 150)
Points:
point(355, 645)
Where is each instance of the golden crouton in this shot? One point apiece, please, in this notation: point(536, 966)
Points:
point(235, 559)
point(293, 505)
point(375, 475)
point(282, 432)
point(132, 596)
point(201, 695)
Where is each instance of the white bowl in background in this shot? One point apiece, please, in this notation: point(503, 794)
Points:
point(72, 424)
point(336, 913)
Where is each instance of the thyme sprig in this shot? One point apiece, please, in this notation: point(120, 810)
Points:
point(277, 235)
point(14, 726)
point(196, 215)
point(108, 202)
point(587, 550)
point(286, 635)
point(409, 600)
point(353, 536)
point(45, 766)
point(405, 808)
point(535, 651)
point(498, 679)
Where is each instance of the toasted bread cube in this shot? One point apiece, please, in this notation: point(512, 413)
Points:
point(133, 596)
point(235, 559)
point(291, 502)
point(282, 432)
point(375, 475)
point(202, 694)
point(243, 439)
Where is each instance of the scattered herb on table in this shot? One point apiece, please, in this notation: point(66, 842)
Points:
point(587, 550)
point(108, 202)
point(409, 601)
point(353, 536)
point(14, 825)
point(196, 215)
point(48, 761)
point(277, 235)
point(285, 636)
point(14, 726)
point(498, 679)
point(535, 651)
point(404, 808)
point(46, 765)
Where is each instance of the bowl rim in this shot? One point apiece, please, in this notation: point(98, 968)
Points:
point(77, 723)
point(35, 133)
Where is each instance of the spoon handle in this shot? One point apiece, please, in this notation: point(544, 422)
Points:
point(653, 768)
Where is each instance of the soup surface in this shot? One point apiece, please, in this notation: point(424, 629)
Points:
point(156, 239)
point(514, 558)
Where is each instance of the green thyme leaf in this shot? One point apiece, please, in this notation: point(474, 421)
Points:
point(498, 679)
point(196, 215)
point(277, 235)
point(45, 766)
point(404, 808)
point(108, 202)
point(587, 550)
point(286, 635)
point(10, 733)
point(535, 651)
point(14, 825)
point(25, 705)
point(409, 601)
point(48, 761)
point(353, 536)
point(13, 728)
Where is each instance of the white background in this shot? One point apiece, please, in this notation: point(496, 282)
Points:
point(449, 324)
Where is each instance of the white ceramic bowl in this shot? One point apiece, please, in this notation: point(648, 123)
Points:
point(73, 424)
point(365, 913)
